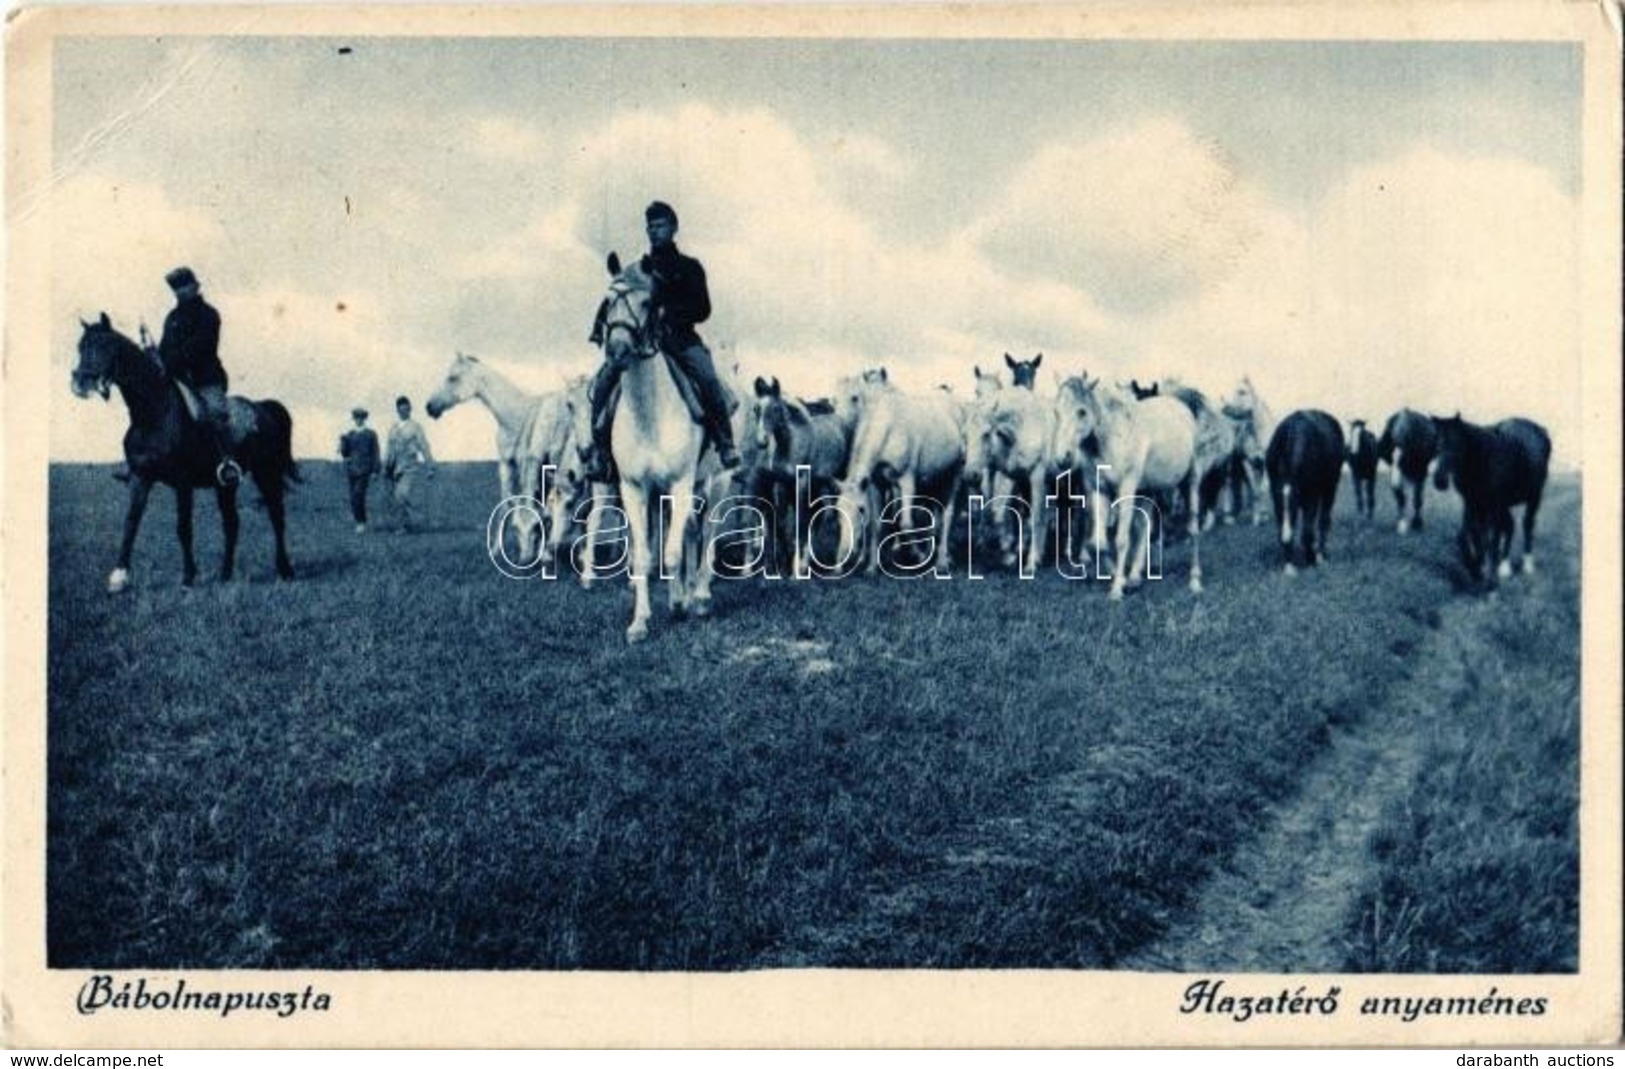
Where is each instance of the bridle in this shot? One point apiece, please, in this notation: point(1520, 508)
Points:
point(623, 315)
point(104, 344)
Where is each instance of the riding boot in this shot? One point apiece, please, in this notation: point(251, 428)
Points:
point(718, 423)
point(597, 464)
point(717, 405)
point(722, 434)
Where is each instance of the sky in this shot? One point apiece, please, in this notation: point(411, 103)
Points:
point(1356, 226)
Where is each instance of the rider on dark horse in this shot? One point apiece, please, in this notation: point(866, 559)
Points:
point(189, 352)
point(679, 301)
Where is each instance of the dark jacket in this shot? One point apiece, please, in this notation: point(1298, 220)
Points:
point(359, 448)
point(680, 294)
point(190, 349)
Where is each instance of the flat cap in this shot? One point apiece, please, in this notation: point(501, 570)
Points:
point(180, 278)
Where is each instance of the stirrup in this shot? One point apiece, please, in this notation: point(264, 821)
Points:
point(228, 472)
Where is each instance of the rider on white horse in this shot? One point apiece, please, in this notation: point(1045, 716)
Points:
point(679, 300)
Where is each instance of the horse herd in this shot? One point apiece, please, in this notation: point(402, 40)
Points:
point(889, 468)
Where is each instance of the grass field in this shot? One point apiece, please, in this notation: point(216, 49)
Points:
point(404, 759)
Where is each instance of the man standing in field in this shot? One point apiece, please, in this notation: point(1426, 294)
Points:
point(407, 455)
point(680, 300)
point(359, 448)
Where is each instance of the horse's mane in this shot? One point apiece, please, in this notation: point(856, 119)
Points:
point(798, 410)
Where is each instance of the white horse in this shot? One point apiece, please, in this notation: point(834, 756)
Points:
point(1007, 453)
point(1254, 425)
point(468, 378)
point(548, 441)
point(789, 440)
point(656, 446)
point(902, 441)
point(1150, 445)
point(574, 489)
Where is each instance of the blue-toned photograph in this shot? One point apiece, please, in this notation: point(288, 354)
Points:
point(715, 504)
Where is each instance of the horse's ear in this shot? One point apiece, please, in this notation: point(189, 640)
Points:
point(1009, 361)
point(614, 264)
point(883, 375)
point(106, 323)
point(775, 385)
point(761, 387)
point(1039, 359)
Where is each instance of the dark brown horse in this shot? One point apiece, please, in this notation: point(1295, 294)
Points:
point(1408, 445)
point(1361, 454)
point(165, 444)
point(1495, 469)
point(1305, 464)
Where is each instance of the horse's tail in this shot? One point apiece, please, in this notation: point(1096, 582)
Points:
point(279, 443)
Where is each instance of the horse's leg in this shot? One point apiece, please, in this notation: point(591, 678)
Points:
point(226, 498)
point(1502, 545)
point(183, 530)
point(588, 564)
point(1292, 527)
point(1467, 542)
point(1126, 491)
point(800, 524)
point(1416, 502)
point(1003, 488)
point(530, 532)
point(1397, 481)
point(636, 506)
point(1195, 532)
point(140, 487)
point(873, 501)
point(1038, 517)
point(944, 564)
point(1529, 533)
point(276, 512)
point(1324, 519)
point(678, 536)
point(703, 551)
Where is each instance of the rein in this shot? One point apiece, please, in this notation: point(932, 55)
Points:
point(643, 345)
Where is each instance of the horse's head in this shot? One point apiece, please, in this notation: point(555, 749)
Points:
point(627, 331)
point(1077, 419)
point(989, 436)
point(1025, 372)
point(987, 382)
point(462, 382)
point(1452, 436)
point(99, 349)
point(852, 391)
point(769, 420)
point(1356, 430)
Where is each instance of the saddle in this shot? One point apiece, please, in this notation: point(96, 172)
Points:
point(242, 417)
point(688, 391)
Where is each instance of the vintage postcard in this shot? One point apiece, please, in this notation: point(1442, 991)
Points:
point(813, 525)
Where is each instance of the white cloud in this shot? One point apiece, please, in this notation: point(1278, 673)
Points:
point(1431, 280)
point(501, 137)
point(1139, 216)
